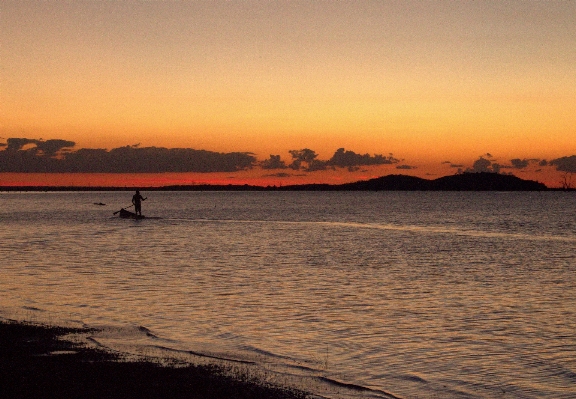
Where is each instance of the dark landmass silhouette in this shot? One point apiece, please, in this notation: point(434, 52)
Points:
point(36, 361)
point(462, 182)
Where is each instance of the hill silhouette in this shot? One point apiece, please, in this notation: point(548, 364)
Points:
point(461, 182)
point(486, 182)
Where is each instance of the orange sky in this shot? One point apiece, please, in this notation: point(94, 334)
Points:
point(428, 81)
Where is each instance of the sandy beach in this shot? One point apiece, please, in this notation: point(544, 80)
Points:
point(35, 362)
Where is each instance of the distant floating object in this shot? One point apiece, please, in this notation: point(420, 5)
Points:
point(99, 203)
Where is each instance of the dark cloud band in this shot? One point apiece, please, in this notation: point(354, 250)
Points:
point(51, 157)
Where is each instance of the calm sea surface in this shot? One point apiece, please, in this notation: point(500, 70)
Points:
point(419, 295)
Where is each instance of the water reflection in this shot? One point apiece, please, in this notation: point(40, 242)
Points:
point(445, 294)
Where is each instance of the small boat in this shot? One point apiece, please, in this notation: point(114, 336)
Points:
point(130, 215)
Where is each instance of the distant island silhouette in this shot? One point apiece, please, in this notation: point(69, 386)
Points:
point(461, 182)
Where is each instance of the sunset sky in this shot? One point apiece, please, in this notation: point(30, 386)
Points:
point(438, 84)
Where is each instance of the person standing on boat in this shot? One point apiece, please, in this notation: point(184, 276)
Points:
point(137, 202)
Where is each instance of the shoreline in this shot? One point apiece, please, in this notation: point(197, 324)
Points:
point(38, 360)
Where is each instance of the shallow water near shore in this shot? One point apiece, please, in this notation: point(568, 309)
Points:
point(414, 294)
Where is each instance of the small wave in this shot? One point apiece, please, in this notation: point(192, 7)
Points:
point(205, 355)
point(302, 381)
point(414, 378)
point(358, 388)
point(397, 227)
point(455, 231)
point(128, 332)
point(135, 341)
point(268, 353)
point(147, 332)
point(33, 308)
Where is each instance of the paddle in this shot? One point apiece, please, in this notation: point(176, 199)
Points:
point(143, 199)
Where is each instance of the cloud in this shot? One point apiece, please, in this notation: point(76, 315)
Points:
point(316, 165)
point(483, 165)
point(346, 159)
point(304, 155)
point(565, 164)
point(519, 163)
point(280, 174)
point(274, 162)
point(128, 159)
point(49, 147)
point(452, 165)
point(306, 159)
point(405, 167)
point(57, 155)
point(15, 144)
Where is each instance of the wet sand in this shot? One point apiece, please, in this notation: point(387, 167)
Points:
point(36, 363)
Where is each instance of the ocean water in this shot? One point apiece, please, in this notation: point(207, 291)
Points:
point(352, 294)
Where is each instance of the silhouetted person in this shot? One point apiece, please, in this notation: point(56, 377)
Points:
point(137, 201)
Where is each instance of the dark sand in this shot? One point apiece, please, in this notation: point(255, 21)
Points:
point(35, 363)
